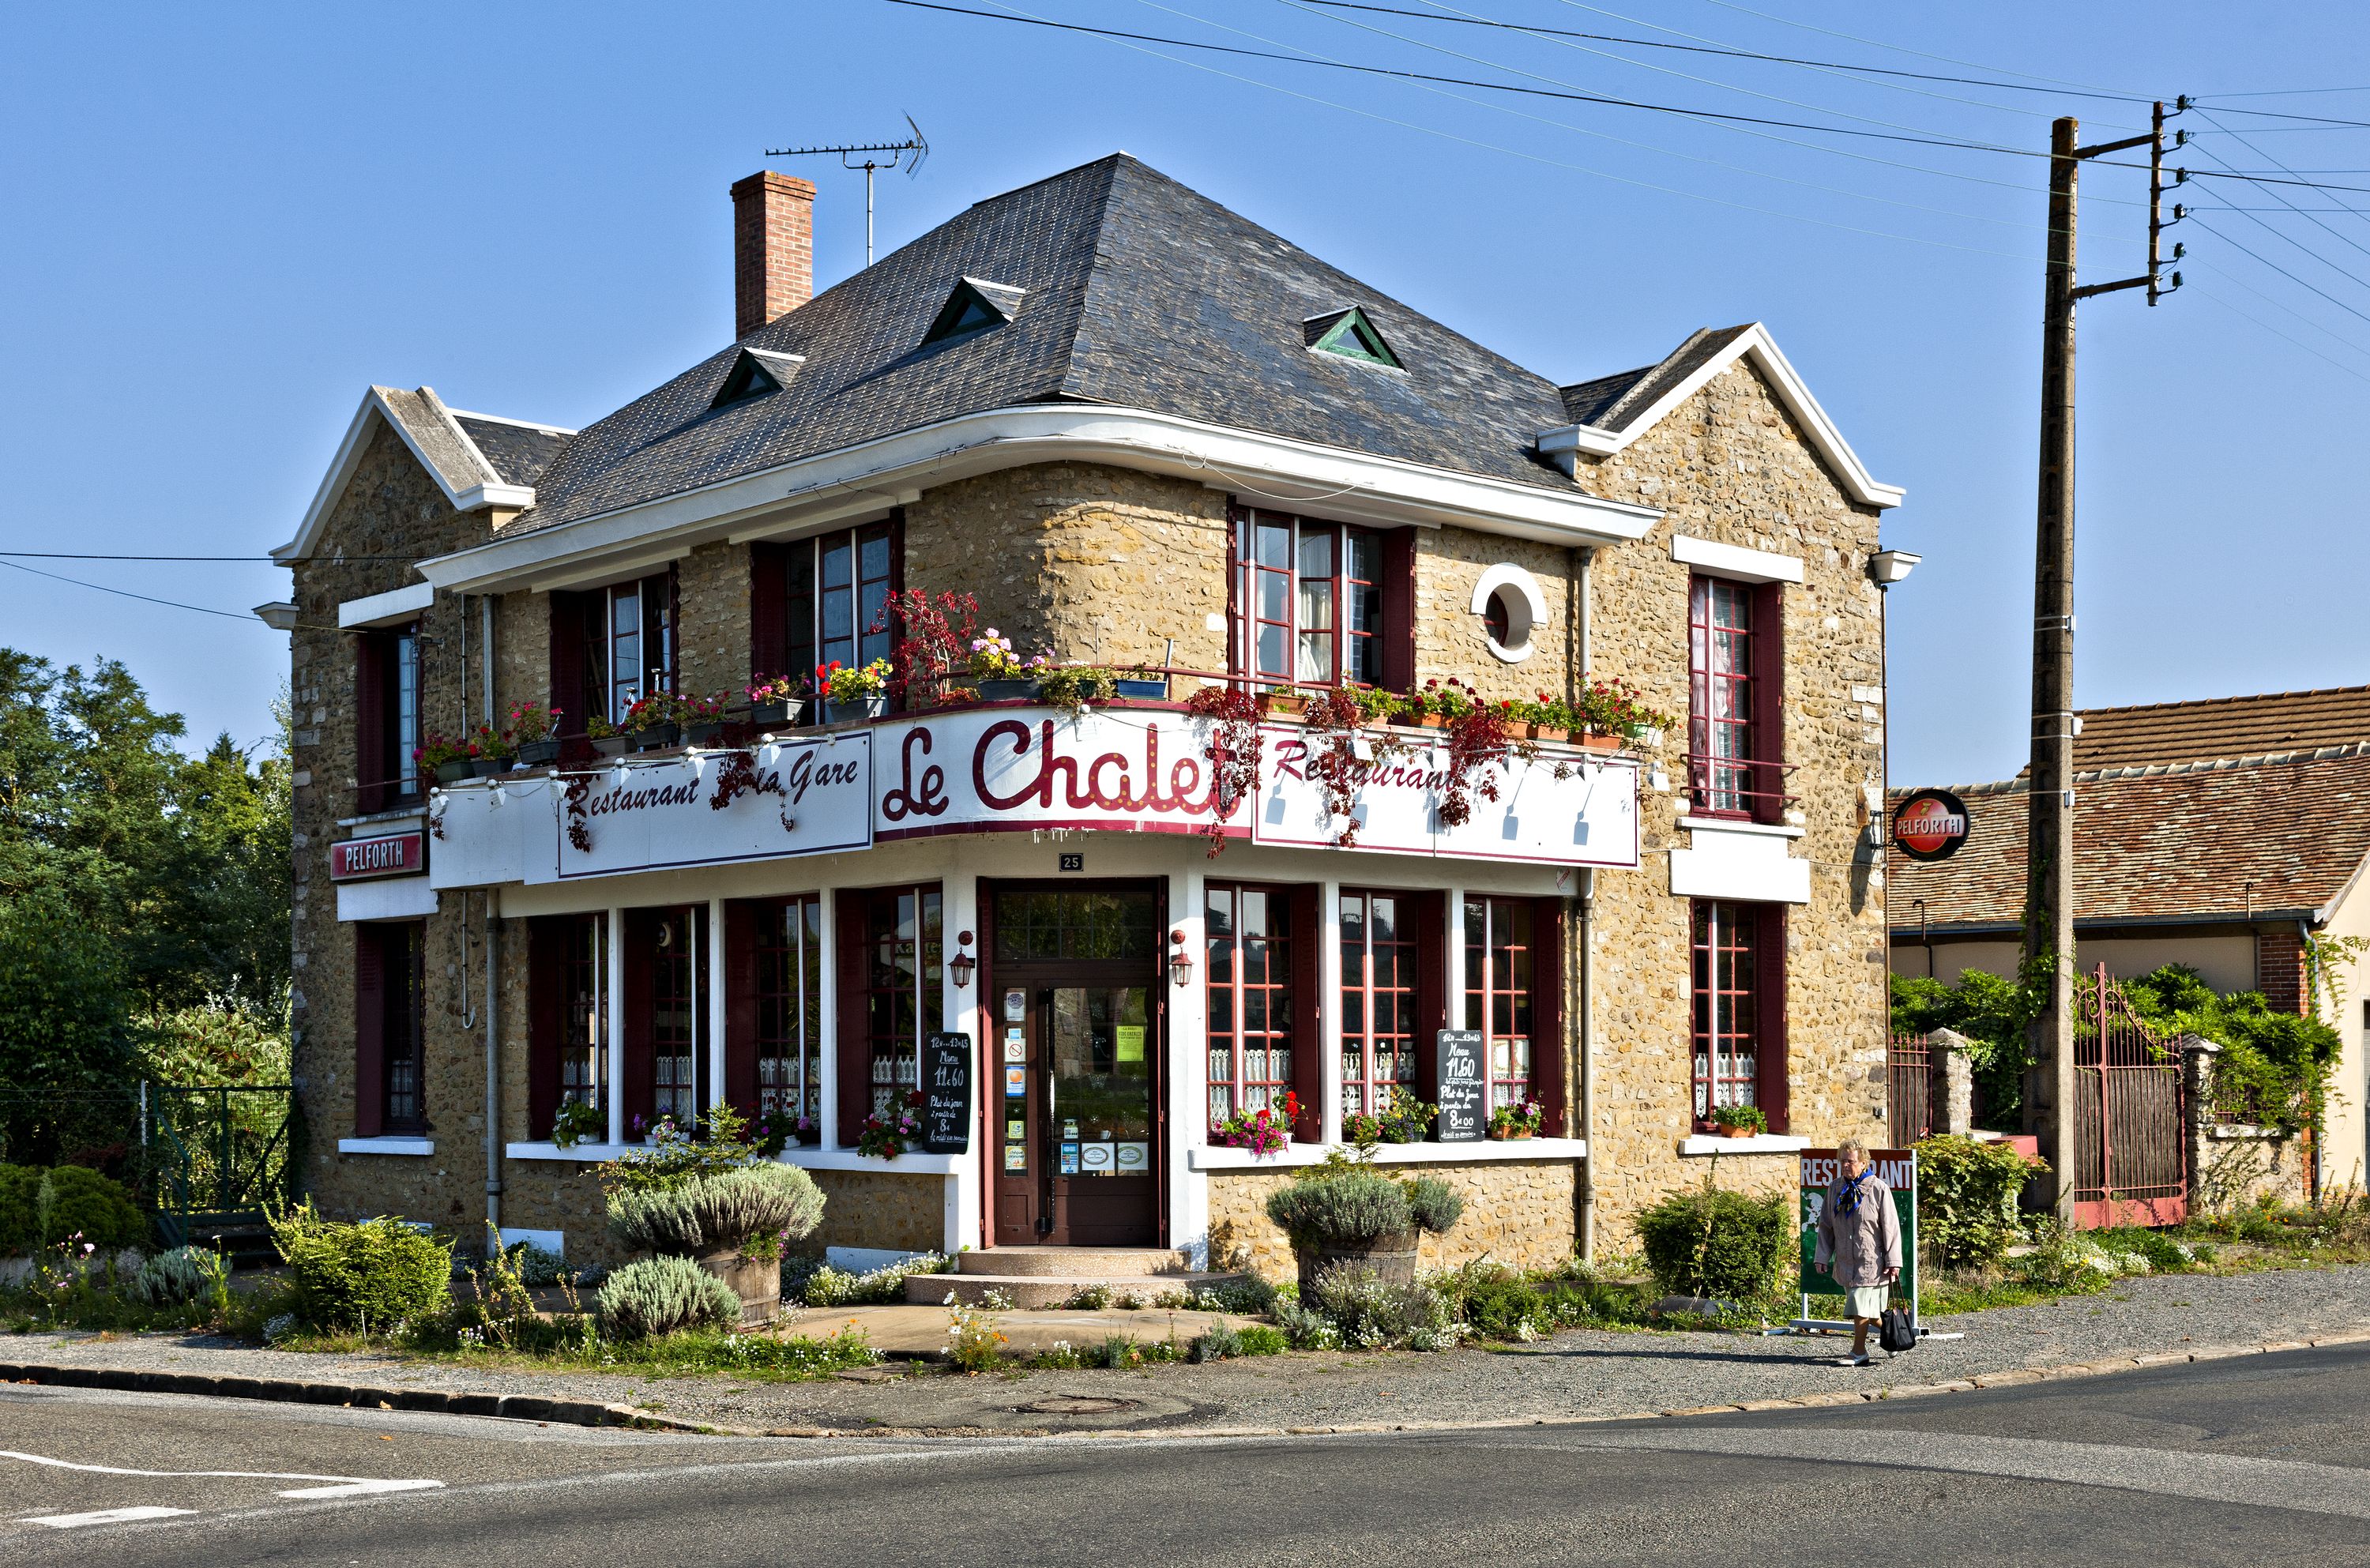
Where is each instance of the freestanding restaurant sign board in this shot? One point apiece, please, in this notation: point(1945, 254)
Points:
point(1464, 1109)
point(946, 1094)
point(1897, 1169)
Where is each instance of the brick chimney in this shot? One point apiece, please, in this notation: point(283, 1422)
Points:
point(773, 248)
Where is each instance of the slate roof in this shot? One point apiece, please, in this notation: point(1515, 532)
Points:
point(517, 453)
point(2176, 807)
point(1613, 403)
point(1139, 293)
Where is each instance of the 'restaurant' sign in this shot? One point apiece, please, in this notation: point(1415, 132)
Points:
point(1930, 824)
point(389, 854)
point(1009, 769)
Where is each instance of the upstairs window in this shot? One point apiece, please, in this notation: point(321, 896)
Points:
point(629, 644)
point(1349, 334)
point(820, 600)
point(1309, 600)
point(973, 306)
point(1732, 719)
point(387, 729)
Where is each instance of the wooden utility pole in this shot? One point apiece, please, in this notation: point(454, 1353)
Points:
point(2050, 1090)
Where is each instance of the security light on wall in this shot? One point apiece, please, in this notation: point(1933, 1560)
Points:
point(1889, 567)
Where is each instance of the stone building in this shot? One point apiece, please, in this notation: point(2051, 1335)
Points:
point(1144, 433)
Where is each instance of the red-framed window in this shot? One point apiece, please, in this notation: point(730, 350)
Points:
point(819, 600)
point(1499, 976)
point(390, 1024)
point(1738, 988)
point(583, 1064)
point(1251, 981)
point(904, 953)
point(678, 999)
point(1735, 712)
point(1379, 1027)
point(387, 728)
point(790, 1009)
point(1313, 602)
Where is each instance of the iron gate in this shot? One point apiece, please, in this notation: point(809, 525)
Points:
point(1909, 1088)
point(220, 1155)
point(2131, 1164)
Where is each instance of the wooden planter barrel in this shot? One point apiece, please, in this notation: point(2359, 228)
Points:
point(1391, 1257)
point(758, 1283)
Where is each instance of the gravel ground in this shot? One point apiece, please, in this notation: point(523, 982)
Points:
point(1583, 1372)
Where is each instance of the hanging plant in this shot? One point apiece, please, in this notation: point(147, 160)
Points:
point(1232, 751)
point(937, 634)
point(1479, 739)
point(580, 790)
point(1334, 721)
point(739, 777)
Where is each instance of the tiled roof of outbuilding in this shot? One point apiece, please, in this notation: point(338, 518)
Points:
point(2267, 725)
point(1139, 293)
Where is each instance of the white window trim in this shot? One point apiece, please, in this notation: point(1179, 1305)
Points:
point(1734, 562)
point(388, 1144)
point(391, 608)
point(1505, 574)
point(1762, 1143)
point(1214, 1158)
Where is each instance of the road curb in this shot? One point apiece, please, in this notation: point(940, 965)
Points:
point(591, 1412)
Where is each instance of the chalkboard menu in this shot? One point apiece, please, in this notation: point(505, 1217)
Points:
point(946, 1094)
point(1464, 1088)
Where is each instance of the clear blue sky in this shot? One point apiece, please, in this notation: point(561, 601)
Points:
point(221, 224)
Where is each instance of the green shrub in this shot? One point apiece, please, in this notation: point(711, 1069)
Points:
point(1712, 1242)
point(1336, 1209)
point(707, 1213)
point(1372, 1315)
point(1966, 1197)
point(1215, 1343)
point(1258, 1339)
point(1247, 1296)
point(658, 1295)
point(1305, 1328)
point(38, 1208)
point(1495, 1302)
point(382, 1272)
point(1435, 1205)
point(181, 1276)
point(828, 1286)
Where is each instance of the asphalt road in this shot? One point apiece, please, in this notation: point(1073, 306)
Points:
point(2258, 1459)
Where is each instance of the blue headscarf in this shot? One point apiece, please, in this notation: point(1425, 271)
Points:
point(1848, 1196)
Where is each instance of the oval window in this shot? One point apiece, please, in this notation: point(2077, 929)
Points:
point(1499, 618)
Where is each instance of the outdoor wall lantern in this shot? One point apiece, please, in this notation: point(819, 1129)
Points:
point(962, 963)
point(1180, 963)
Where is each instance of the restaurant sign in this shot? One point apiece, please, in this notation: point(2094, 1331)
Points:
point(388, 854)
point(1930, 825)
point(1003, 769)
point(1897, 1169)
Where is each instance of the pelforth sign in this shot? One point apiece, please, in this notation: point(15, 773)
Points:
point(389, 854)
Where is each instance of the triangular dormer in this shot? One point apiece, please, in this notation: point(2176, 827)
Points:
point(1349, 334)
point(754, 373)
point(975, 305)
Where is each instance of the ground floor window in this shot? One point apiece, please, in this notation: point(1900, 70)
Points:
point(676, 1056)
point(1379, 1000)
point(1249, 939)
point(390, 1021)
point(1498, 973)
point(904, 952)
point(1737, 982)
point(790, 1009)
point(584, 1003)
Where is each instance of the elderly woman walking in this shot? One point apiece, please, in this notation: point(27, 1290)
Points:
point(1859, 1243)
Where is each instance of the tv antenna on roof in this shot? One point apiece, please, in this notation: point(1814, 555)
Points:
point(919, 147)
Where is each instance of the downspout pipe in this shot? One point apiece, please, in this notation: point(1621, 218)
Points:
point(493, 1042)
point(1584, 972)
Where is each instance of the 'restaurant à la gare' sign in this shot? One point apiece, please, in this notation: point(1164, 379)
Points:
point(388, 854)
point(1930, 824)
point(1007, 770)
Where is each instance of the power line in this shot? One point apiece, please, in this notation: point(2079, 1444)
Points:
point(125, 593)
point(2275, 332)
point(2282, 272)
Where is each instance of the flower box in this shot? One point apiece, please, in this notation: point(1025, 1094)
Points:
point(658, 737)
point(764, 713)
point(1500, 1135)
point(538, 753)
point(1007, 690)
point(1274, 705)
point(874, 706)
point(705, 732)
point(452, 772)
point(1738, 1132)
point(1544, 732)
point(487, 766)
point(1141, 686)
point(1591, 741)
point(609, 746)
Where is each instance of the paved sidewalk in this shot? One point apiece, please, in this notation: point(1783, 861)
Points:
point(1581, 1373)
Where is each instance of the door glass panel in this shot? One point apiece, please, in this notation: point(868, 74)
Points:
point(1098, 1102)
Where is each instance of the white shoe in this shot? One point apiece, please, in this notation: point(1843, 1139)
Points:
point(1851, 1361)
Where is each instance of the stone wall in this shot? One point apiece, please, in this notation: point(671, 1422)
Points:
point(880, 1208)
point(1450, 639)
point(1730, 466)
point(712, 640)
point(1519, 1213)
point(1101, 564)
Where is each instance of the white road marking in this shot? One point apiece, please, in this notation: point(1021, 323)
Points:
point(337, 1485)
point(102, 1516)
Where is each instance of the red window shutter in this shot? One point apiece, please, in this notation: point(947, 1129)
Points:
point(1398, 609)
point(546, 1015)
point(1430, 985)
point(370, 1032)
point(852, 1006)
point(1769, 700)
point(1551, 1055)
point(373, 766)
point(672, 585)
point(742, 919)
point(770, 612)
point(896, 552)
point(1771, 1072)
point(1238, 650)
point(639, 1094)
point(567, 661)
point(1309, 934)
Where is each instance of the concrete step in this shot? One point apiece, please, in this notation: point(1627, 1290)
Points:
point(1075, 1262)
point(1037, 1291)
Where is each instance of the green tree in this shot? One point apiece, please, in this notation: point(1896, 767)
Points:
point(66, 1059)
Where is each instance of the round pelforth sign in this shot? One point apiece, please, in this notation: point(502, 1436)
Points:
point(1930, 824)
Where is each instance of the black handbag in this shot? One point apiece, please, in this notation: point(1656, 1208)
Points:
point(1895, 1331)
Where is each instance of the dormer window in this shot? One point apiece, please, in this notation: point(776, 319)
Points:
point(753, 375)
point(974, 306)
point(1351, 335)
